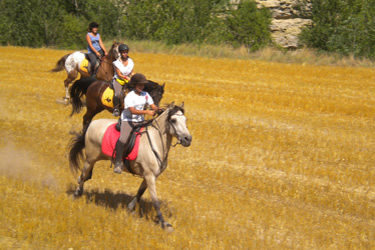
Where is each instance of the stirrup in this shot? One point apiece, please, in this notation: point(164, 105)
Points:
point(117, 169)
point(116, 112)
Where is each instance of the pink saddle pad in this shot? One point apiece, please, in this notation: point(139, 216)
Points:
point(110, 138)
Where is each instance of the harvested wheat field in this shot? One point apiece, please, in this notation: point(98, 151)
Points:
point(282, 157)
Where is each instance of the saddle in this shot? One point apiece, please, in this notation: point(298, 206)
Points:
point(129, 152)
point(87, 64)
point(131, 147)
point(110, 139)
point(107, 96)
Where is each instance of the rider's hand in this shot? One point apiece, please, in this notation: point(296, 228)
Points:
point(151, 112)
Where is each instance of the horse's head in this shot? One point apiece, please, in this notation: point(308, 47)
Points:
point(155, 90)
point(178, 127)
point(113, 52)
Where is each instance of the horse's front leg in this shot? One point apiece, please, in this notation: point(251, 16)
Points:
point(155, 201)
point(142, 188)
point(85, 175)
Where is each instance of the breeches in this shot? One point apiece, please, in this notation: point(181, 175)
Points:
point(126, 128)
point(117, 87)
point(93, 57)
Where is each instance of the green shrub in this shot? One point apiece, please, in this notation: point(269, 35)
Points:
point(344, 27)
point(249, 26)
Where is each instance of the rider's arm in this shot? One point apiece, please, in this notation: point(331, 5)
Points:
point(102, 46)
point(141, 112)
point(154, 107)
point(118, 72)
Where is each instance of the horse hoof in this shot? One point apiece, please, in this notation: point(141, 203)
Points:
point(168, 228)
point(64, 101)
point(78, 193)
point(131, 205)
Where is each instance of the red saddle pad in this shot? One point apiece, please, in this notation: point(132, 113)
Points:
point(110, 138)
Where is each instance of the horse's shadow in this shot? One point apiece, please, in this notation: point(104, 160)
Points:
point(116, 201)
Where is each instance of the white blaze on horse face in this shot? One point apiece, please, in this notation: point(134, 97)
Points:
point(182, 133)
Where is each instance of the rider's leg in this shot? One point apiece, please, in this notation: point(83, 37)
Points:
point(98, 59)
point(126, 128)
point(93, 59)
point(117, 87)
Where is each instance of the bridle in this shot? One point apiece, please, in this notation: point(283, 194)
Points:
point(161, 163)
point(102, 60)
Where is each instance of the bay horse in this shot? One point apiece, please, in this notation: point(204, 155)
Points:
point(76, 62)
point(155, 143)
point(99, 96)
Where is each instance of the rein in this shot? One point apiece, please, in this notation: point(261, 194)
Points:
point(161, 163)
point(102, 59)
point(105, 61)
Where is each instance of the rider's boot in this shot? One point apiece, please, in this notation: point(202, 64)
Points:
point(92, 70)
point(118, 158)
point(116, 106)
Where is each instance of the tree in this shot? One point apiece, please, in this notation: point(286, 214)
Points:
point(345, 27)
point(249, 26)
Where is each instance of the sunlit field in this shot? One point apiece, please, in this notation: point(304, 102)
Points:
point(282, 157)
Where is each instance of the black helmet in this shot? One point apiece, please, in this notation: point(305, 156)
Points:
point(123, 47)
point(93, 25)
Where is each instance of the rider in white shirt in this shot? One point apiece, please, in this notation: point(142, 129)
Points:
point(123, 66)
point(133, 113)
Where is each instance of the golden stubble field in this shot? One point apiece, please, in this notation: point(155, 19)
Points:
point(282, 158)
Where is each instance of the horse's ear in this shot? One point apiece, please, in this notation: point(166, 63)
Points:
point(172, 104)
point(182, 105)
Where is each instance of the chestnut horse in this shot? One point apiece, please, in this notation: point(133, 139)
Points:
point(96, 100)
point(155, 143)
point(72, 63)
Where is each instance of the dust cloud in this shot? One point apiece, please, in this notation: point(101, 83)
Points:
point(20, 164)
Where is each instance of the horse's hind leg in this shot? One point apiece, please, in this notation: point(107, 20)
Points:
point(91, 111)
point(142, 188)
point(85, 175)
point(71, 76)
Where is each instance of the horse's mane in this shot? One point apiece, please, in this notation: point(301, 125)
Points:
point(114, 44)
point(150, 86)
point(169, 109)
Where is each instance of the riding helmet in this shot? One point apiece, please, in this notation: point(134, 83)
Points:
point(123, 47)
point(137, 78)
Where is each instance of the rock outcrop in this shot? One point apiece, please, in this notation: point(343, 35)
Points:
point(286, 26)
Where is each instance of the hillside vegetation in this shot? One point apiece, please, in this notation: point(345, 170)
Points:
point(282, 158)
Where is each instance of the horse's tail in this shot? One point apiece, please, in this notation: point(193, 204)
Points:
point(60, 65)
point(78, 89)
point(77, 144)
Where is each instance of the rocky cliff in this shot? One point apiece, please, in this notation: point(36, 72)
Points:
point(286, 26)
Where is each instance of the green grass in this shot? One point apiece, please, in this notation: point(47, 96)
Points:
point(270, 54)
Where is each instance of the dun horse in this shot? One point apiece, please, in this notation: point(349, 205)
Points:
point(76, 62)
point(99, 96)
point(152, 158)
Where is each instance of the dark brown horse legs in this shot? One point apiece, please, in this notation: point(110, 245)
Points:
point(155, 201)
point(142, 188)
